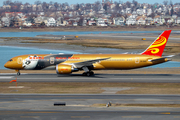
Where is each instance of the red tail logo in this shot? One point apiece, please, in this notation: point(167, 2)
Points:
point(157, 47)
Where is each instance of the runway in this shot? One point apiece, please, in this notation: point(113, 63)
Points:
point(133, 78)
point(83, 106)
point(40, 106)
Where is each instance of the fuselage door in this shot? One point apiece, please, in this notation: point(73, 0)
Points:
point(51, 60)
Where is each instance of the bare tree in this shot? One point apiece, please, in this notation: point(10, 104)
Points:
point(128, 4)
point(165, 2)
point(97, 6)
point(7, 2)
point(37, 2)
point(135, 3)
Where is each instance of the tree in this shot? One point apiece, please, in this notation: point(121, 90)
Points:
point(135, 3)
point(12, 22)
point(171, 3)
point(105, 7)
point(128, 4)
point(7, 2)
point(51, 2)
point(42, 24)
point(172, 9)
point(37, 2)
point(97, 6)
point(56, 5)
point(80, 23)
point(77, 7)
point(165, 2)
point(31, 18)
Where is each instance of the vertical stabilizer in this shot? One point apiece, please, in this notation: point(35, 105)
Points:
point(157, 47)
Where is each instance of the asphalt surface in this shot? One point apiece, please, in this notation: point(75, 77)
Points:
point(133, 78)
point(41, 107)
point(81, 106)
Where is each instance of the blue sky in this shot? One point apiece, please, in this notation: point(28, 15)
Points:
point(89, 1)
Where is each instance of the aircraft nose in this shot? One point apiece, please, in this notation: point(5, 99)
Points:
point(7, 65)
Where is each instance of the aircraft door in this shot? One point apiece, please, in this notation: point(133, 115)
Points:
point(51, 60)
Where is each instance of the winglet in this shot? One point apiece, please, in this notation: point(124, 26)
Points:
point(157, 47)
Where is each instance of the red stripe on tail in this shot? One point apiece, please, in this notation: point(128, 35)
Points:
point(157, 47)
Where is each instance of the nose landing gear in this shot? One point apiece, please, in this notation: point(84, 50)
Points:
point(18, 72)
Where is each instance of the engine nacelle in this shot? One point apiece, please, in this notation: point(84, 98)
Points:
point(65, 69)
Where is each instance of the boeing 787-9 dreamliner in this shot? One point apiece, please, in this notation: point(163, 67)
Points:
point(68, 63)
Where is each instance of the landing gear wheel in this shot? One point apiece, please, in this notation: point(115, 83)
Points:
point(91, 73)
point(84, 74)
point(88, 74)
point(18, 73)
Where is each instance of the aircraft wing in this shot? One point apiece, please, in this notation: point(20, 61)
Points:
point(88, 63)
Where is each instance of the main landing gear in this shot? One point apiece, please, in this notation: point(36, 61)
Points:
point(18, 72)
point(90, 73)
point(87, 72)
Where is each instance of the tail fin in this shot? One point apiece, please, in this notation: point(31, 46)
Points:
point(157, 47)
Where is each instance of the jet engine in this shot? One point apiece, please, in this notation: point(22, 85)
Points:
point(65, 69)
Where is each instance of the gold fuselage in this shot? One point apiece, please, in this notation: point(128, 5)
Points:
point(114, 61)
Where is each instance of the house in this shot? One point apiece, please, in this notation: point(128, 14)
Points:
point(167, 19)
point(139, 11)
point(5, 21)
point(130, 21)
point(27, 24)
point(51, 22)
point(10, 14)
point(91, 22)
point(100, 22)
point(34, 7)
point(128, 10)
point(149, 12)
point(178, 20)
point(38, 20)
point(75, 24)
point(59, 21)
point(65, 22)
point(119, 21)
point(6, 7)
point(140, 20)
point(158, 20)
point(149, 21)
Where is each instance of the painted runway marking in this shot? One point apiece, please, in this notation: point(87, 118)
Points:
point(80, 116)
point(131, 116)
point(6, 77)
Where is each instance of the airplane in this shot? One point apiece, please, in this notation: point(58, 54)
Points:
point(68, 63)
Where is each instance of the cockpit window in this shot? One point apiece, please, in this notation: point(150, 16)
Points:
point(11, 60)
